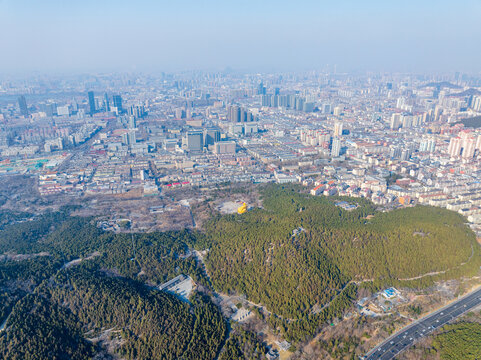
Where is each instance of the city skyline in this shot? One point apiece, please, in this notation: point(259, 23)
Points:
point(270, 36)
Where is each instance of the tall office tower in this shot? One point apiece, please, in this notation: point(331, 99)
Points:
point(132, 122)
point(91, 97)
point(106, 102)
point(22, 104)
point(338, 129)
point(454, 148)
point(336, 147)
point(194, 141)
point(234, 114)
point(117, 101)
point(211, 135)
point(326, 108)
point(277, 91)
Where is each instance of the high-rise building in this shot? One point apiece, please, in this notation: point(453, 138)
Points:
point(454, 148)
point(180, 113)
point(476, 103)
point(338, 129)
point(299, 103)
point(106, 102)
point(336, 147)
point(132, 137)
point(225, 147)
point(22, 104)
point(251, 128)
point(261, 90)
point(407, 121)
point(469, 146)
point(132, 122)
point(400, 102)
point(117, 102)
point(308, 107)
point(427, 145)
point(234, 114)
point(478, 143)
point(437, 113)
point(406, 154)
point(211, 136)
point(395, 152)
point(91, 102)
point(63, 110)
point(237, 114)
point(137, 110)
point(395, 121)
point(246, 116)
point(266, 100)
point(194, 141)
point(51, 109)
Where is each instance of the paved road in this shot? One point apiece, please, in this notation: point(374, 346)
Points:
point(405, 338)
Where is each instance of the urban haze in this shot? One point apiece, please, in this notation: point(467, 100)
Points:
point(240, 180)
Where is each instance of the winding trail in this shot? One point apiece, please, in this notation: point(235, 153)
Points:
point(442, 271)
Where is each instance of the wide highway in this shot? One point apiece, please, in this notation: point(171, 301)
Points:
point(406, 337)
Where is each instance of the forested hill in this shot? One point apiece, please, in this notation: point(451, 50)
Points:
point(70, 290)
point(300, 250)
point(53, 308)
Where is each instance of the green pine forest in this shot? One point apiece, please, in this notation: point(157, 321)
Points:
point(335, 251)
point(459, 341)
point(301, 258)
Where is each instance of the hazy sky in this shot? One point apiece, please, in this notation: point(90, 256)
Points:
point(261, 35)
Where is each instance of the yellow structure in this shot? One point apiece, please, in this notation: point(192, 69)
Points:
point(242, 209)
